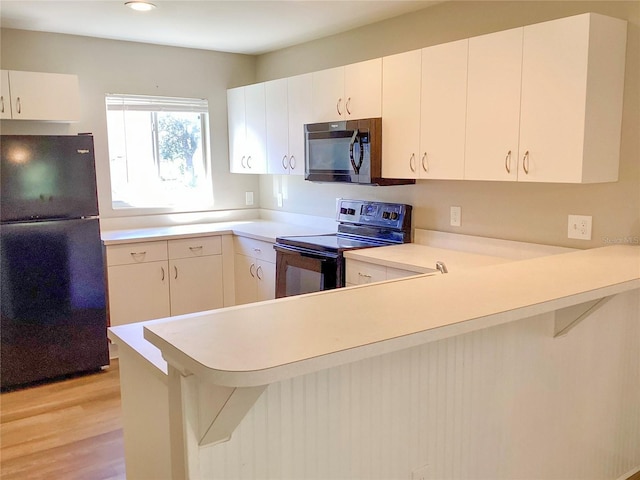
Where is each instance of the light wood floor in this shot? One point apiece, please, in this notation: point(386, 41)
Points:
point(70, 429)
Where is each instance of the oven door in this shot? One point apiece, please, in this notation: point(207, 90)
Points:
point(300, 270)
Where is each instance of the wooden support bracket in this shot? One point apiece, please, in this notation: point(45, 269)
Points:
point(222, 409)
point(567, 318)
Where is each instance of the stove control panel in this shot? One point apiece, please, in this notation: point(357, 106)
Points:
point(396, 216)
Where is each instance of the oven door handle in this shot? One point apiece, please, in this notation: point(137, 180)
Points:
point(303, 252)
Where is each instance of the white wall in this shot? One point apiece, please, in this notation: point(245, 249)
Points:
point(501, 403)
point(108, 66)
point(525, 212)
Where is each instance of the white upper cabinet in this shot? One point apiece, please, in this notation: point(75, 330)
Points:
point(401, 79)
point(541, 103)
point(363, 89)
point(349, 92)
point(277, 126)
point(247, 129)
point(493, 106)
point(40, 96)
point(571, 107)
point(424, 107)
point(443, 111)
point(288, 108)
point(544, 102)
point(5, 98)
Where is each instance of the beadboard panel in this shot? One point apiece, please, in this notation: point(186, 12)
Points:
point(501, 403)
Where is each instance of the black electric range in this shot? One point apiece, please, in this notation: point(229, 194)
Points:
point(311, 263)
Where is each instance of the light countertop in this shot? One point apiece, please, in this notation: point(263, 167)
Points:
point(262, 343)
point(421, 258)
point(258, 229)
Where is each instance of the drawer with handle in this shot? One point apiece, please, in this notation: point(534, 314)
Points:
point(131, 253)
point(360, 273)
point(195, 247)
point(254, 248)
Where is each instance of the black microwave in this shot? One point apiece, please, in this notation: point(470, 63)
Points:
point(346, 151)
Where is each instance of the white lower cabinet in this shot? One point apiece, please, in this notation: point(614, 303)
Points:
point(255, 270)
point(195, 270)
point(138, 292)
point(362, 273)
point(164, 278)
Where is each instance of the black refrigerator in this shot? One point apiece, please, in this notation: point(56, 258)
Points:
point(52, 297)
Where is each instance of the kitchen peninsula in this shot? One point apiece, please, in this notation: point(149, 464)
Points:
point(383, 380)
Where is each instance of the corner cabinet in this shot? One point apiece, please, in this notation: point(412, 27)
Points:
point(50, 97)
point(247, 129)
point(159, 279)
point(545, 102)
point(255, 270)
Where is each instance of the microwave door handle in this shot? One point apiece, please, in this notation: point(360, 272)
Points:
point(355, 138)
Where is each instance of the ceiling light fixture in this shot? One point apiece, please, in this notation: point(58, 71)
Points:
point(140, 6)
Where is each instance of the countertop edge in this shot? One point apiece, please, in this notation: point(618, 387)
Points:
point(357, 352)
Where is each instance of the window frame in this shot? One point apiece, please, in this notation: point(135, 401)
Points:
point(155, 104)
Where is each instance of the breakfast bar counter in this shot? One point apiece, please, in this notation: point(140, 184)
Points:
point(263, 343)
point(243, 364)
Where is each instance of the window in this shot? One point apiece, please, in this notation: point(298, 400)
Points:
point(158, 152)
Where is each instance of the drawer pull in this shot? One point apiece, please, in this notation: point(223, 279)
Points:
point(194, 249)
point(138, 256)
point(257, 250)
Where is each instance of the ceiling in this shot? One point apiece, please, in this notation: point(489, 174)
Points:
point(238, 26)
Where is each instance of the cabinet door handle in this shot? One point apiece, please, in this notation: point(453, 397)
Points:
point(18, 105)
point(507, 162)
point(425, 162)
point(242, 162)
point(338, 106)
point(292, 162)
point(249, 161)
point(284, 162)
point(175, 272)
point(347, 106)
point(2, 103)
point(412, 162)
point(251, 268)
point(525, 162)
point(162, 269)
point(258, 273)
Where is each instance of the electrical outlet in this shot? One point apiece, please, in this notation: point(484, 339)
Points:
point(420, 473)
point(579, 227)
point(455, 216)
point(248, 198)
